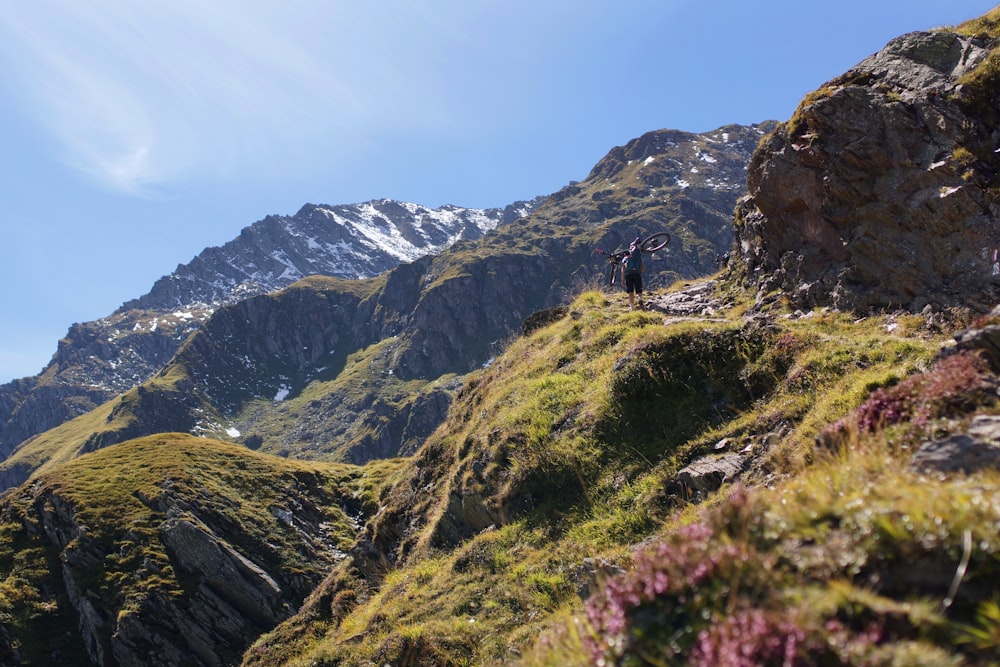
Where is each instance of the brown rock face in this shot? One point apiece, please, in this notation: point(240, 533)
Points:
point(881, 191)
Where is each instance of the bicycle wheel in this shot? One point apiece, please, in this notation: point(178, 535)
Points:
point(654, 242)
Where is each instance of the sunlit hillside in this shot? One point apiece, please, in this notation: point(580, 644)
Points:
point(557, 517)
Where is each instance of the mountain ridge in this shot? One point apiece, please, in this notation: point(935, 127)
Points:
point(100, 359)
point(526, 251)
point(346, 241)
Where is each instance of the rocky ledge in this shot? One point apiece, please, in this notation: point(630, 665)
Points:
point(880, 192)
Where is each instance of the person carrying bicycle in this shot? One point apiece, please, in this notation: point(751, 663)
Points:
point(632, 268)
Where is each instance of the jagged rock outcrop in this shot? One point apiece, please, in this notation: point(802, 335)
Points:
point(706, 474)
point(881, 190)
point(976, 449)
point(347, 241)
point(695, 299)
point(984, 340)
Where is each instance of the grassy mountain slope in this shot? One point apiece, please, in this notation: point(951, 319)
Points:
point(170, 549)
point(721, 480)
point(551, 519)
point(554, 519)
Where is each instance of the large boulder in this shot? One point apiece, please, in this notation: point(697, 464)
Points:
point(881, 190)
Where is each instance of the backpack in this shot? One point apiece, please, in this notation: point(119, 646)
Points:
point(633, 262)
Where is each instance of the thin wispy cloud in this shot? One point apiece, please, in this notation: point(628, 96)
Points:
point(141, 93)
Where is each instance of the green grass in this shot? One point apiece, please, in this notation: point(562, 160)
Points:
point(504, 533)
point(109, 508)
point(554, 461)
point(555, 494)
point(987, 25)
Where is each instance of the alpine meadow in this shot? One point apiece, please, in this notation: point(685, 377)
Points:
point(384, 434)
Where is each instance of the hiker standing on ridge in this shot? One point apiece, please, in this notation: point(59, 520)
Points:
point(632, 268)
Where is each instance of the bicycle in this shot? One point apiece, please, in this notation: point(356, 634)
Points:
point(651, 243)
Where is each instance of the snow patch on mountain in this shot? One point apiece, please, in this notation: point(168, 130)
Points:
point(351, 241)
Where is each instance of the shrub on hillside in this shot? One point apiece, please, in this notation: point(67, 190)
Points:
point(655, 611)
point(957, 384)
point(707, 596)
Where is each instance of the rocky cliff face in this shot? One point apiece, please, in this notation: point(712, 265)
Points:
point(95, 361)
point(881, 191)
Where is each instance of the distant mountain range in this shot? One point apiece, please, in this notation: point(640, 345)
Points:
point(347, 241)
point(684, 182)
point(97, 360)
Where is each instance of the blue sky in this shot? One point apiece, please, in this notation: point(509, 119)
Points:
point(139, 132)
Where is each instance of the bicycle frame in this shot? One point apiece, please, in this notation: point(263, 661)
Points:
point(650, 244)
point(614, 263)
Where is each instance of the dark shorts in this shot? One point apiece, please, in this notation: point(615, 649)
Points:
point(633, 283)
